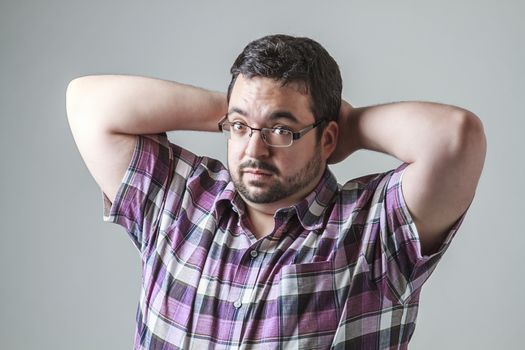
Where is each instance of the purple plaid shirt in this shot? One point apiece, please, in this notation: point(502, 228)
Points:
point(342, 269)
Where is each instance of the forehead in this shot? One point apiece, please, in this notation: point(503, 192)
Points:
point(261, 97)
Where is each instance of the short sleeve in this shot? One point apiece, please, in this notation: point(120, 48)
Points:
point(156, 168)
point(399, 263)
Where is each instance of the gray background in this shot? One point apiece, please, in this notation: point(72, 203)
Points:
point(70, 281)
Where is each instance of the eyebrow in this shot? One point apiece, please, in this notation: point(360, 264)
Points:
point(279, 114)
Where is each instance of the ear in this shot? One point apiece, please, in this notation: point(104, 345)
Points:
point(329, 139)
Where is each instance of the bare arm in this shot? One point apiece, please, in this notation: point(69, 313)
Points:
point(444, 145)
point(106, 112)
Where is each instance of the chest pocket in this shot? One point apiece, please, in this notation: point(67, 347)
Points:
point(308, 311)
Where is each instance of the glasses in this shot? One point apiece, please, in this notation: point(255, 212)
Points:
point(274, 137)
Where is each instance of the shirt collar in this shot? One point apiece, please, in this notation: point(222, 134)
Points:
point(310, 210)
point(230, 196)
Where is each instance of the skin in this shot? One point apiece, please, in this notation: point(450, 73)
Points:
point(269, 178)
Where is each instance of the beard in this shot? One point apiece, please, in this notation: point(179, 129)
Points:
point(262, 192)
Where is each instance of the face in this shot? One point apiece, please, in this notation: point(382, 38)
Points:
point(263, 174)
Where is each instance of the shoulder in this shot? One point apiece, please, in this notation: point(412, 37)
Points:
point(201, 174)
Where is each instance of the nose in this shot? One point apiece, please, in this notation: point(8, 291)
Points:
point(255, 146)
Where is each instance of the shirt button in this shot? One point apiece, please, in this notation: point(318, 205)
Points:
point(237, 304)
point(253, 253)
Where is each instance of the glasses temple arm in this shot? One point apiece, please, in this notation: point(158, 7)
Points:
point(297, 135)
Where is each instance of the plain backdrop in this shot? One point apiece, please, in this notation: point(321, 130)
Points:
point(71, 281)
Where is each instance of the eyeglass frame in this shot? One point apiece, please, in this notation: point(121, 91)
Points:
point(295, 135)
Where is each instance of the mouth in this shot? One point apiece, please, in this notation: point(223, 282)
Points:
point(258, 172)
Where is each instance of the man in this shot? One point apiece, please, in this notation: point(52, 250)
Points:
point(271, 252)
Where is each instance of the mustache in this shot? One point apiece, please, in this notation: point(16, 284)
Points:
point(257, 164)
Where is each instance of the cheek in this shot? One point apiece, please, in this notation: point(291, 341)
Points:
point(289, 163)
point(294, 161)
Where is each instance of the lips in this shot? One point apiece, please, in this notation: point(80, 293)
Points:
point(257, 172)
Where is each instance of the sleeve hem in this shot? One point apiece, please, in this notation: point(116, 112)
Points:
point(110, 210)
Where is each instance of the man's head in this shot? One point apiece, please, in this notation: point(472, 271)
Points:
point(283, 82)
point(299, 60)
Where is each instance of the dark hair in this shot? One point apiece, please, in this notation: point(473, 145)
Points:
point(294, 60)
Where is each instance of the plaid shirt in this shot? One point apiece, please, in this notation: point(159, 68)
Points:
point(342, 269)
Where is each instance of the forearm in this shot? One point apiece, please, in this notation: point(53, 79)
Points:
point(408, 130)
point(142, 105)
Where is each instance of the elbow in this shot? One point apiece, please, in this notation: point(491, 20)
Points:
point(470, 141)
point(472, 130)
point(78, 94)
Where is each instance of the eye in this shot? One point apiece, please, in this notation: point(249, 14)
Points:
point(280, 131)
point(238, 126)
